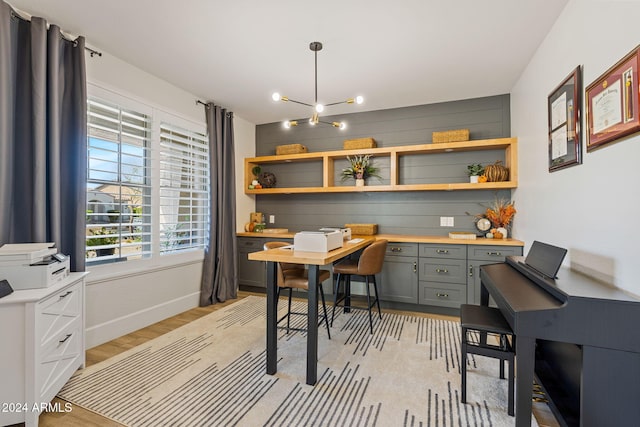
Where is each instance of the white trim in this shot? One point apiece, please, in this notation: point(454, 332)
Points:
point(109, 272)
point(101, 89)
point(123, 325)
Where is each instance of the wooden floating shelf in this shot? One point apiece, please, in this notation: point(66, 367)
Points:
point(509, 145)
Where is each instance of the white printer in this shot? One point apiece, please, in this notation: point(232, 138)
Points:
point(32, 265)
point(346, 231)
point(317, 241)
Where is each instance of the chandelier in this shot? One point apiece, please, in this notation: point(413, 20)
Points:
point(317, 108)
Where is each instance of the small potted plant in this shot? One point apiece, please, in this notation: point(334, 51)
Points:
point(361, 167)
point(474, 170)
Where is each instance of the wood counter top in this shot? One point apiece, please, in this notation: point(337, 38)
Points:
point(406, 238)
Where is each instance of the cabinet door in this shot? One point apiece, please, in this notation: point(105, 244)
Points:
point(481, 255)
point(399, 279)
point(443, 294)
point(443, 270)
point(250, 273)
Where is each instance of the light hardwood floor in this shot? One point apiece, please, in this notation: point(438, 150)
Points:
point(79, 417)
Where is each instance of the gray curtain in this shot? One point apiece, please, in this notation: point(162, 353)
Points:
point(43, 135)
point(219, 273)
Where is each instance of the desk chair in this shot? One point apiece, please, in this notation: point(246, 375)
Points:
point(368, 265)
point(295, 276)
point(476, 322)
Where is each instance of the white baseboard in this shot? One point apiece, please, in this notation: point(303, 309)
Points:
point(99, 334)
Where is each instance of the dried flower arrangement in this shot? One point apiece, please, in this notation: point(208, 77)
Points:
point(500, 213)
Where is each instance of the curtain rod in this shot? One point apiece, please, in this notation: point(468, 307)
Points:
point(93, 52)
point(206, 105)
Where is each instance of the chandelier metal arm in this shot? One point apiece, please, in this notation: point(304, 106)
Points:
point(299, 102)
point(336, 103)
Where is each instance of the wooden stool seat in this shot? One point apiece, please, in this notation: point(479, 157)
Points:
point(476, 322)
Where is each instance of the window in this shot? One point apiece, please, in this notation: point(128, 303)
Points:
point(147, 181)
point(118, 183)
point(184, 189)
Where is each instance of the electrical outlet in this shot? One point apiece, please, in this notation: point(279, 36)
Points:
point(446, 221)
point(272, 219)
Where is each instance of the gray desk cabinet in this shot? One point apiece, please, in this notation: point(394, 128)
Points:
point(253, 273)
point(398, 280)
point(478, 255)
point(442, 275)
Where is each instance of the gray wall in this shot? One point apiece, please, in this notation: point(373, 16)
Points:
point(394, 212)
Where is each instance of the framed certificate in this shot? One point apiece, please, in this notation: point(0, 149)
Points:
point(564, 105)
point(612, 102)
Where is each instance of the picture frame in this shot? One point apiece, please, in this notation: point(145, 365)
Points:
point(612, 102)
point(564, 106)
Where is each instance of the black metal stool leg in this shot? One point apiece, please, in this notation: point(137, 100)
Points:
point(324, 308)
point(375, 290)
point(347, 294)
point(366, 279)
point(289, 311)
point(335, 297)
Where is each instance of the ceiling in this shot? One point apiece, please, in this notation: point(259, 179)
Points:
point(237, 53)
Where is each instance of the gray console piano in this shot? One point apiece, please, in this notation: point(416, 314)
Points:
point(579, 337)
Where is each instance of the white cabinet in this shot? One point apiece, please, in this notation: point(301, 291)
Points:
point(42, 336)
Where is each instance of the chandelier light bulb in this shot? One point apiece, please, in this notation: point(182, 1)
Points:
point(339, 125)
point(359, 99)
point(275, 96)
point(319, 108)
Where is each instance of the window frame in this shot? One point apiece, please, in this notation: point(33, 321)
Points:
point(155, 261)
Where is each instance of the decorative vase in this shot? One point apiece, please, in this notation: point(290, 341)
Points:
point(473, 179)
point(503, 231)
point(359, 182)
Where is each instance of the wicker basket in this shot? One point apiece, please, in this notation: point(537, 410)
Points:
point(352, 144)
point(290, 149)
point(363, 229)
point(450, 136)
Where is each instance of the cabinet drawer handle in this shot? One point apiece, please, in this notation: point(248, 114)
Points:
point(471, 271)
point(494, 253)
point(396, 249)
point(442, 251)
point(62, 341)
point(439, 295)
point(443, 270)
point(66, 295)
point(415, 267)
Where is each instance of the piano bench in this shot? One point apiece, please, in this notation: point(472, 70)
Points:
point(476, 323)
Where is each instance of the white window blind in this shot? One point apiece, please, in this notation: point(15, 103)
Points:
point(184, 189)
point(118, 183)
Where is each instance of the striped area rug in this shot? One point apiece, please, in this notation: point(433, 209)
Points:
point(212, 372)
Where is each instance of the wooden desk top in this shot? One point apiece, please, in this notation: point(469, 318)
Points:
point(406, 238)
point(315, 258)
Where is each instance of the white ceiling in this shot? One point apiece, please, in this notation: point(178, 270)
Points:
point(237, 53)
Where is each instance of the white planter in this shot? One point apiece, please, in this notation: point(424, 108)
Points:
point(473, 179)
point(359, 182)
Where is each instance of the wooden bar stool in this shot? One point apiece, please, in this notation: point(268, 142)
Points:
point(476, 322)
point(368, 265)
